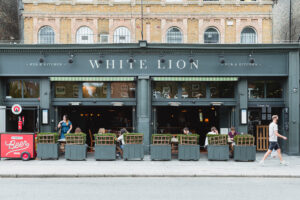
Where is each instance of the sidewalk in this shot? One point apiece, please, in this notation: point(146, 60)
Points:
point(147, 168)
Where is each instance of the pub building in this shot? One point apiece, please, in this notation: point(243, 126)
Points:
point(152, 88)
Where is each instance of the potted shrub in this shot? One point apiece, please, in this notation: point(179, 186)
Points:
point(76, 148)
point(47, 146)
point(105, 146)
point(133, 147)
point(160, 148)
point(244, 148)
point(217, 148)
point(188, 147)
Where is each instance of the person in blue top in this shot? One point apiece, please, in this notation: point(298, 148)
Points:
point(65, 125)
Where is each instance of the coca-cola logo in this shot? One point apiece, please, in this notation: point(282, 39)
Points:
point(16, 146)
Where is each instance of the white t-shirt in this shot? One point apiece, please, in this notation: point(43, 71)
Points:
point(273, 127)
point(121, 138)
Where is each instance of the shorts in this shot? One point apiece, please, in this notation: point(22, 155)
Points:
point(273, 145)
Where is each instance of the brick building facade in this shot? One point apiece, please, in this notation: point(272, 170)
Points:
point(171, 21)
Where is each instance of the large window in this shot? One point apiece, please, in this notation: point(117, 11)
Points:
point(46, 35)
point(265, 89)
point(165, 90)
point(23, 89)
point(122, 35)
point(66, 89)
point(122, 90)
point(174, 35)
point(248, 36)
point(84, 35)
point(94, 90)
point(222, 89)
point(211, 35)
point(193, 90)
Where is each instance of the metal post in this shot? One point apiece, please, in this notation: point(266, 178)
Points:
point(142, 19)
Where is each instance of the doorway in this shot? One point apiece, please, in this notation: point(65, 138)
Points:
point(199, 119)
point(30, 116)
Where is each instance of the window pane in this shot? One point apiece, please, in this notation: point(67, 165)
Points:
point(256, 89)
point(222, 89)
point(166, 90)
point(84, 35)
point(274, 89)
point(94, 90)
point(211, 35)
point(174, 35)
point(46, 35)
point(194, 90)
point(122, 35)
point(31, 89)
point(122, 90)
point(248, 36)
point(14, 89)
point(66, 89)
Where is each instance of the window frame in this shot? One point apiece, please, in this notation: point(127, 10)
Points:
point(22, 89)
point(168, 32)
point(39, 35)
point(256, 37)
point(212, 27)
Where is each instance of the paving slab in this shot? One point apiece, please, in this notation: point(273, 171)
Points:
point(148, 168)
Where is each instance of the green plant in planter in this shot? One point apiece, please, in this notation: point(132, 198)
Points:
point(47, 138)
point(244, 140)
point(133, 138)
point(105, 139)
point(75, 138)
point(161, 139)
point(217, 139)
point(192, 139)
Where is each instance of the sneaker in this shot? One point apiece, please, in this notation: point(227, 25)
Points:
point(284, 163)
point(261, 163)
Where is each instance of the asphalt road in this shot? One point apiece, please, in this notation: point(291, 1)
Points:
point(149, 188)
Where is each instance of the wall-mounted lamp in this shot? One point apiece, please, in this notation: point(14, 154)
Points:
point(131, 60)
point(251, 59)
point(117, 103)
point(41, 60)
point(222, 60)
point(162, 60)
point(191, 60)
point(174, 103)
point(71, 58)
point(100, 61)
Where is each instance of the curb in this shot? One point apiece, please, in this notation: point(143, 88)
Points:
point(141, 176)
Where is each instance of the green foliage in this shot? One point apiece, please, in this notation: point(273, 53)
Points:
point(217, 139)
point(244, 139)
point(75, 138)
point(106, 138)
point(133, 138)
point(42, 137)
point(168, 136)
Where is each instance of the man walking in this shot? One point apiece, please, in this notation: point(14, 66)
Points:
point(273, 141)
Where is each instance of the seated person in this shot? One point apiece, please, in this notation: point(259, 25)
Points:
point(78, 130)
point(232, 133)
point(122, 140)
point(213, 131)
point(101, 131)
point(186, 131)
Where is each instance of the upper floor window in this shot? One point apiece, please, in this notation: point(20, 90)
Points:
point(174, 35)
point(248, 36)
point(84, 35)
point(265, 89)
point(211, 35)
point(122, 35)
point(46, 35)
point(22, 89)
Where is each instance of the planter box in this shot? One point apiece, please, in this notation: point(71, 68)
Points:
point(75, 151)
point(105, 152)
point(133, 151)
point(48, 151)
point(218, 152)
point(160, 152)
point(244, 153)
point(188, 152)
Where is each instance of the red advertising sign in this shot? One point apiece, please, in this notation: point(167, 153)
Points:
point(13, 145)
